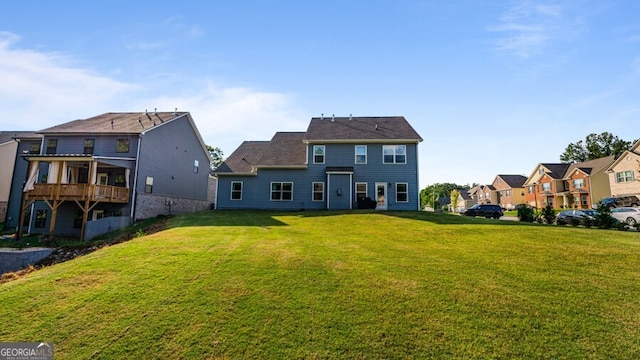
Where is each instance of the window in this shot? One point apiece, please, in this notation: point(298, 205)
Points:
point(361, 154)
point(122, 145)
point(402, 194)
point(318, 154)
point(394, 154)
point(578, 183)
point(52, 145)
point(196, 165)
point(530, 189)
point(119, 180)
point(281, 191)
point(148, 185)
point(41, 218)
point(508, 192)
point(34, 148)
point(318, 191)
point(624, 176)
point(361, 190)
point(540, 171)
point(88, 146)
point(546, 186)
point(584, 199)
point(236, 190)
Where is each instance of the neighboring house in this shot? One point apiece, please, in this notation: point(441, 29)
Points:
point(474, 194)
point(13, 143)
point(99, 174)
point(624, 173)
point(587, 183)
point(487, 194)
point(544, 183)
point(465, 201)
point(510, 190)
point(579, 185)
point(338, 163)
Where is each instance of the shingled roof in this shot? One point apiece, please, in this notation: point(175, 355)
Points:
point(6, 136)
point(591, 166)
point(353, 129)
point(110, 123)
point(514, 181)
point(285, 149)
point(556, 171)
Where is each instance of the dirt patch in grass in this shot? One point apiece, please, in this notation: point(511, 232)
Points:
point(63, 254)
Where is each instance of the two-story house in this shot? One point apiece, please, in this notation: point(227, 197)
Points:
point(510, 190)
point(624, 172)
point(338, 163)
point(13, 143)
point(579, 185)
point(99, 174)
point(544, 183)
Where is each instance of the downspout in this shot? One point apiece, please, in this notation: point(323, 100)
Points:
point(135, 181)
point(418, 176)
point(215, 199)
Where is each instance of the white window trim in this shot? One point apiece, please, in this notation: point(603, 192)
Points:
point(282, 183)
point(394, 154)
point(366, 189)
point(324, 154)
point(355, 156)
point(313, 190)
point(407, 192)
point(241, 190)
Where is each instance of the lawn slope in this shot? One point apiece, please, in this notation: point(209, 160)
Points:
point(338, 285)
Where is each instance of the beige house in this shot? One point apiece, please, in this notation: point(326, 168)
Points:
point(509, 190)
point(624, 173)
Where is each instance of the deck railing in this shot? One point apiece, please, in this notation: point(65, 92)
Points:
point(80, 192)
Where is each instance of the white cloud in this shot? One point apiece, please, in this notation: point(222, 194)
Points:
point(41, 89)
point(44, 89)
point(227, 116)
point(527, 27)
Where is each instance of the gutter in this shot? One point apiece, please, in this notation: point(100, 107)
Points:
point(135, 181)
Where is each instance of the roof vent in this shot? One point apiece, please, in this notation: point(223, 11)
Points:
point(350, 116)
point(175, 112)
point(322, 116)
point(333, 118)
point(155, 111)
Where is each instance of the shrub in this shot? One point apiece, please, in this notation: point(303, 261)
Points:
point(525, 213)
point(604, 220)
point(549, 214)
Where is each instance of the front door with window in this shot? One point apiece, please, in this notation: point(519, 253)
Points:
point(381, 196)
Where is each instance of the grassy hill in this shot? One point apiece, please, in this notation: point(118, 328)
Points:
point(338, 285)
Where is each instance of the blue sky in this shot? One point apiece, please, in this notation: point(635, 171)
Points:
point(493, 87)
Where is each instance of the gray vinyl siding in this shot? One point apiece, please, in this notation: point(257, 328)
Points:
point(256, 189)
point(104, 145)
point(167, 154)
point(19, 178)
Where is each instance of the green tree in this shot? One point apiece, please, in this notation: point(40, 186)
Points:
point(454, 199)
point(594, 146)
point(432, 194)
point(216, 157)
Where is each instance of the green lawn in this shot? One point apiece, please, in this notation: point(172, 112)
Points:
point(363, 285)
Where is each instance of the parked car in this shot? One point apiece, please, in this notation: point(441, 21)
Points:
point(630, 215)
point(618, 201)
point(486, 210)
point(575, 216)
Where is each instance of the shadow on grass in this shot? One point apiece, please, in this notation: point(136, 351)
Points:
point(268, 218)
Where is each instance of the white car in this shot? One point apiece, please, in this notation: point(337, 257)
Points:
point(630, 215)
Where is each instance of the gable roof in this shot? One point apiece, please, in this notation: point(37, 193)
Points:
point(357, 129)
point(591, 166)
point(115, 123)
point(7, 136)
point(244, 158)
point(514, 181)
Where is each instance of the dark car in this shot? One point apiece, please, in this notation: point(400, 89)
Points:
point(618, 201)
point(486, 210)
point(577, 217)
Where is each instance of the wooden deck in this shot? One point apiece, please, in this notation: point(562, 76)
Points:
point(79, 192)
